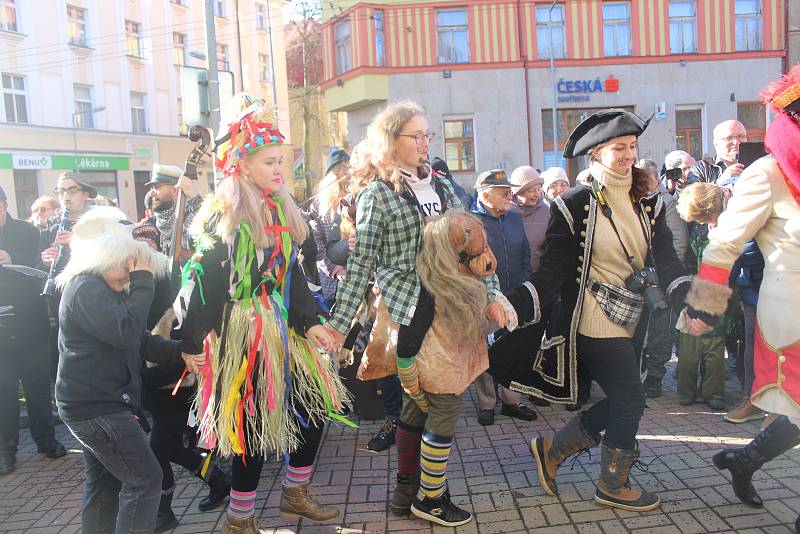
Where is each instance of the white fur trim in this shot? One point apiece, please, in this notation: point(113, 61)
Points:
point(677, 282)
point(537, 308)
point(565, 212)
point(512, 321)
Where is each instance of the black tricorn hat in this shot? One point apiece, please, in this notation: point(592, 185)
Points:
point(600, 127)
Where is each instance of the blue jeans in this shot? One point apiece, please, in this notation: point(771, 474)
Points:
point(123, 478)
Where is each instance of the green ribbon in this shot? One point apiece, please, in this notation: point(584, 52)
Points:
point(194, 268)
point(325, 396)
point(243, 261)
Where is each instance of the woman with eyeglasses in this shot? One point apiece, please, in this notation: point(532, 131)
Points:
point(397, 193)
point(42, 209)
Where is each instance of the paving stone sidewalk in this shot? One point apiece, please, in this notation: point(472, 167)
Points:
point(490, 472)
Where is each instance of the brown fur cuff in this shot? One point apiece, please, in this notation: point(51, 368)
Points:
point(708, 297)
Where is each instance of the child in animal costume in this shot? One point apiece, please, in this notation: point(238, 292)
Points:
point(765, 206)
point(245, 303)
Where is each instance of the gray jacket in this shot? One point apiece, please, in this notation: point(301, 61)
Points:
point(676, 225)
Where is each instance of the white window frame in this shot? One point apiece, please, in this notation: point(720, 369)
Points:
point(179, 48)
point(82, 22)
point(343, 45)
point(7, 6)
point(133, 39)
point(612, 25)
point(223, 61)
point(451, 30)
point(752, 42)
point(264, 71)
point(138, 124)
point(261, 16)
point(684, 24)
point(84, 120)
point(14, 94)
point(379, 21)
point(545, 26)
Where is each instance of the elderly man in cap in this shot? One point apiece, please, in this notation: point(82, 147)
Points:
point(506, 236)
point(24, 354)
point(164, 186)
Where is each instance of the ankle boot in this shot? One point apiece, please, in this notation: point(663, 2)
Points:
point(219, 488)
point(614, 487)
point(295, 502)
point(770, 443)
point(404, 493)
point(239, 525)
point(166, 520)
point(551, 451)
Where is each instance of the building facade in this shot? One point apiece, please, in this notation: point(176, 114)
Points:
point(96, 85)
point(482, 71)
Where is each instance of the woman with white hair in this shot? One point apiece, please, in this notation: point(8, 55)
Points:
point(107, 288)
point(245, 304)
point(556, 182)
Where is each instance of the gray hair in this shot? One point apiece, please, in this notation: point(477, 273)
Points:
point(674, 159)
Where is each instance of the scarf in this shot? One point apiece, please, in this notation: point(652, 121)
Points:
point(783, 142)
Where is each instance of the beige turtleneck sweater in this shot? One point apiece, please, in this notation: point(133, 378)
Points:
point(609, 264)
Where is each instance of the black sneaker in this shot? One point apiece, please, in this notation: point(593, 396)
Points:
point(518, 411)
point(51, 448)
point(384, 438)
point(441, 511)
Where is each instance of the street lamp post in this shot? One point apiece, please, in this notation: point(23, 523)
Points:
point(75, 130)
point(553, 80)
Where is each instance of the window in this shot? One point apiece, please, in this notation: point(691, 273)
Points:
point(222, 57)
point(748, 25)
point(261, 16)
point(344, 52)
point(26, 189)
point(459, 145)
point(76, 25)
point(219, 8)
point(84, 118)
point(754, 117)
point(682, 27)
point(179, 48)
point(451, 31)
point(105, 182)
point(178, 2)
point(547, 29)
point(689, 132)
point(133, 38)
point(380, 39)
point(138, 113)
point(182, 128)
point(617, 29)
point(14, 98)
point(263, 68)
point(8, 15)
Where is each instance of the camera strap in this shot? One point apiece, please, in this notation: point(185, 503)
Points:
point(605, 208)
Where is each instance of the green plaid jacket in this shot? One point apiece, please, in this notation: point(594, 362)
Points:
point(387, 240)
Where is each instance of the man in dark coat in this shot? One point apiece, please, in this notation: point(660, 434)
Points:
point(23, 344)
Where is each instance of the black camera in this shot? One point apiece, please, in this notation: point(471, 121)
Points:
point(645, 283)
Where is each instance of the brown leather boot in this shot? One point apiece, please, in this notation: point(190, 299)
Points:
point(295, 502)
point(614, 487)
point(551, 451)
point(404, 493)
point(238, 525)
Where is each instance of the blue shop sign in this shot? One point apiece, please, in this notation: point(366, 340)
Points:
point(581, 90)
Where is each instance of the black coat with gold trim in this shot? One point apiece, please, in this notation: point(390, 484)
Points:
point(556, 292)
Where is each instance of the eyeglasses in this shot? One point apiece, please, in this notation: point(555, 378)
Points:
point(68, 191)
point(732, 138)
point(503, 192)
point(419, 136)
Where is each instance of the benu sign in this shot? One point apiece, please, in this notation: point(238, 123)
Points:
point(31, 161)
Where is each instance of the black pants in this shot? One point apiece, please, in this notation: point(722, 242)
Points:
point(166, 438)
point(31, 365)
point(410, 338)
point(246, 472)
point(613, 363)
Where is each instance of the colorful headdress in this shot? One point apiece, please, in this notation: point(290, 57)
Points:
point(780, 94)
point(247, 125)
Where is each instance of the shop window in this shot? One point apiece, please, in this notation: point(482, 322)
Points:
point(617, 28)
point(754, 117)
point(105, 182)
point(550, 25)
point(459, 145)
point(139, 179)
point(748, 25)
point(689, 132)
point(451, 36)
point(682, 27)
point(26, 190)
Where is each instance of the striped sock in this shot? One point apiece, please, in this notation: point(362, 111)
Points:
point(242, 503)
point(407, 440)
point(435, 450)
point(298, 476)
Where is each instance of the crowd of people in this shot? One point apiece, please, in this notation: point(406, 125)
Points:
point(240, 314)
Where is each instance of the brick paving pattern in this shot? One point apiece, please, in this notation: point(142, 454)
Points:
point(490, 473)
